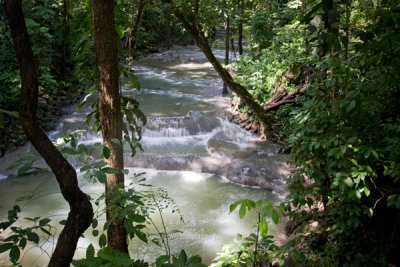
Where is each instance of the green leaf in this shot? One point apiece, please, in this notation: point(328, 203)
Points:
point(90, 252)
point(6, 246)
point(120, 31)
point(22, 243)
point(263, 227)
point(14, 254)
point(182, 259)
point(242, 211)
point(33, 237)
point(69, 151)
point(162, 259)
point(44, 222)
point(44, 230)
point(281, 261)
point(357, 193)
point(23, 171)
point(142, 236)
point(275, 216)
point(366, 191)
point(374, 154)
point(116, 141)
point(11, 113)
point(102, 240)
point(348, 181)
point(95, 222)
point(233, 206)
point(138, 218)
point(370, 212)
point(130, 229)
point(101, 176)
point(95, 232)
point(110, 170)
point(194, 260)
point(115, 257)
point(106, 152)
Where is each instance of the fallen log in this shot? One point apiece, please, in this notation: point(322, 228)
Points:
point(279, 99)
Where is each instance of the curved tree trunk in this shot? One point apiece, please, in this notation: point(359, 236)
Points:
point(110, 110)
point(197, 35)
point(81, 212)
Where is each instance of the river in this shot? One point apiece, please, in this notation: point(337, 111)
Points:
point(191, 150)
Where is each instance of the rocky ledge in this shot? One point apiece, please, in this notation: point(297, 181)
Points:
point(51, 108)
point(245, 120)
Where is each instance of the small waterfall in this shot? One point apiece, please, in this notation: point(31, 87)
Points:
point(190, 149)
point(193, 124)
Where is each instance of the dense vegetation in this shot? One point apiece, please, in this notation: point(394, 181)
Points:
point(340, 62)
point(343, 131)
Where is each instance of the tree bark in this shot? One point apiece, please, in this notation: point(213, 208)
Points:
point(105, 38)
point(279, 99)
point(81, 212)
point(240, 27)
point(227, 36)
point(138, 19)
point(197, 35)
point(167, 16)
point(65, 43)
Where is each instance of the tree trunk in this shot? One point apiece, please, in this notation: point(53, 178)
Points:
point(233, 47)
point(347, 29)
point(81, 212)
point(226, 60)
point(136, 25)
point(197, 35)
point(105, 38)
point(240, 28)
point(65, 44)
point(330, 17)
point(167, 16)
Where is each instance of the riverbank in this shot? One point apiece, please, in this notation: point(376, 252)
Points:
point(50, 110)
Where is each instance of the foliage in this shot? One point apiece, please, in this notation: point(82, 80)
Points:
point(107, 257)
point(343, 130)
point(179, 260)
point(18, 237)
point(158, 201)
point(258, 247)
point(261, 28)
point(345, 142)
point(267, 72)
point(135, 208)
point(241, 252)
point(25, 164)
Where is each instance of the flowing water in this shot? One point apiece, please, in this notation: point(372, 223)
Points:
point(190, 149)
